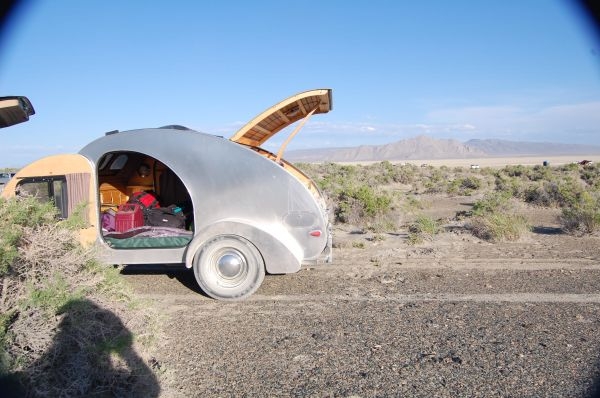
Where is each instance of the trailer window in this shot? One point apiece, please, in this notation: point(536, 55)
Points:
point(113, 163)
point(119, 162)
point(46, 189)
point(105, 160)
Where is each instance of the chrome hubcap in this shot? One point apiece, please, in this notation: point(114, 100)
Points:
point(230, 264)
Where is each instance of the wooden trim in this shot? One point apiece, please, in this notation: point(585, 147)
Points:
point(302, 108)
point(293, 134)
point(261, 129)
point(324, 95)
point(283, 116)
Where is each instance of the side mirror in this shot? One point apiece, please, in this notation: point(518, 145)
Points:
point(14, 110)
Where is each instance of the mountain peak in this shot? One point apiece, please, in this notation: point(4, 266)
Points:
point(426, 147)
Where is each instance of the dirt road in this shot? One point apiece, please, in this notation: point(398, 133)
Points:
point(452, 317)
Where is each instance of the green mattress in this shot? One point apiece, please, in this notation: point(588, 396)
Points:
point(148, 242)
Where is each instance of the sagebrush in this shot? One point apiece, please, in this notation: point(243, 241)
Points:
point(367, 195)
point(61, 328)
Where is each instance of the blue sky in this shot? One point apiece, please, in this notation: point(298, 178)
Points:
point(516, 70)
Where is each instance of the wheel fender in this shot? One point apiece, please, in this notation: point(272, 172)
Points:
point(279, 250)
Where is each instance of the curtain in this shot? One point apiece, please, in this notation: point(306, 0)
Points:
point(78, 190)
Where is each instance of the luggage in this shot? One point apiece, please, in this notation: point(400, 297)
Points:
point(108, 220)
point(145, 199)
point(129, 216)
point(171, 216)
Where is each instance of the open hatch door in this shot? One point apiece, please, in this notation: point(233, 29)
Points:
point(14, 110)
point(298, 107)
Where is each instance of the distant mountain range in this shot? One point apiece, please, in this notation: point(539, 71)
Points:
point(424, 147)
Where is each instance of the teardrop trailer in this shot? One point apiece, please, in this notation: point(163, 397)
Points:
point(248, 211)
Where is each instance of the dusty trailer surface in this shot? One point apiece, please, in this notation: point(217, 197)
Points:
point(227, 208)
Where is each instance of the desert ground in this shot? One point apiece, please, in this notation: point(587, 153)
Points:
point(451, 316)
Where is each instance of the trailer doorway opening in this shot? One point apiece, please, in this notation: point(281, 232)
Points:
point(142, 203)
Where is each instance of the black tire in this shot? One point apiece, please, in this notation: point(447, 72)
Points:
point(229, 267)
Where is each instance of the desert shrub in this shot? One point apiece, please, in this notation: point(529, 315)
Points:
point(487, 171)
point(453, 187)
point(374, 174)
point(582, 216)
point(516, 171)
point(377, 174)
point(540, 173)
point(15, 216)
point(358, 244)
point(31, 276)
point(437, 181)
point(498, 226)
point(539, 195)
point(337, 176)
point(464, 185)
point(423, 228)
point(382, 173)
point(313, 170)
point(354, 193)
point(511, 185)
point(57, 305)
point(405, 174)
point(591, 176)
point(554, 193)
point(491, 203)
point(357, 205)
point(492, 220)
point(569, 167)
point(567, 192)
point(77, 219)
point(26, 212)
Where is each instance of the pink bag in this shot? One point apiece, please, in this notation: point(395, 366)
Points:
point(108, 220)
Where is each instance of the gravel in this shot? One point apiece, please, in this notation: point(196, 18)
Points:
point(455, 321)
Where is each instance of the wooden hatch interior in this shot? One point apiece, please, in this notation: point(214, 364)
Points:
point(299, 107)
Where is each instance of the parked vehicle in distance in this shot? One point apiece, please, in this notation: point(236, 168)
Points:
point(6, 176)
point(247, 211)
point(4, 179)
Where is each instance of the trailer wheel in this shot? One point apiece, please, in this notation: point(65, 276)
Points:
point(229, 267)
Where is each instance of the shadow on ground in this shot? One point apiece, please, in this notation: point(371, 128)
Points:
point(91, 355)
point(594, 390)
point(179, 272)
point(547, 230)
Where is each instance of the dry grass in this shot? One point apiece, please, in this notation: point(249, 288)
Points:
point(498, 226)
point(583, 216)
point(424, 228)
point(70, 326)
